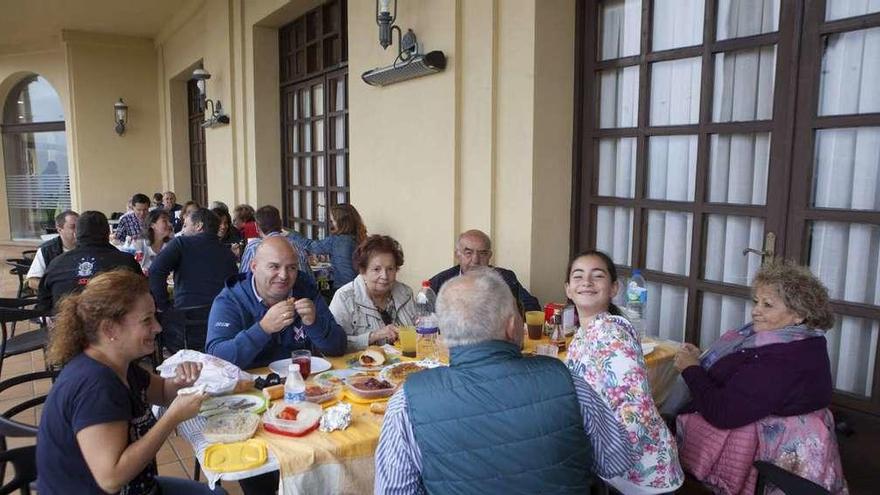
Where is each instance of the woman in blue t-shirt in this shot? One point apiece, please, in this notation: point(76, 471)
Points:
point(97, 433)
point(347, 231)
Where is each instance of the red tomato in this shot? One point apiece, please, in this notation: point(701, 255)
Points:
point(288, 413)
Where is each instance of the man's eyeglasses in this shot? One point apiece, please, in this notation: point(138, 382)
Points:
point(482, 253)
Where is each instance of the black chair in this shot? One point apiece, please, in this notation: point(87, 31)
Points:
point(20, 269)
point(185, 328)
point(789, 483)
point(23, 459)
point(11, 344)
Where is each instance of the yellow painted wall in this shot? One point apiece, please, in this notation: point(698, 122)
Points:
point(47, 61)
point(486, 144)
point(110, 168)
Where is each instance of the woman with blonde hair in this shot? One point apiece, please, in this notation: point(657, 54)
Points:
point(761, 392)
point(97, 433)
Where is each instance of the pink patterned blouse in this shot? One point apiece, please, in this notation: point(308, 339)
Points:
point(608, 355)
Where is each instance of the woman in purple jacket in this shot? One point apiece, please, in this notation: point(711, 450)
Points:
point(773, 368)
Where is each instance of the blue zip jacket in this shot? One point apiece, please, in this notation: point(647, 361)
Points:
point(339, 247)
point(234, 331)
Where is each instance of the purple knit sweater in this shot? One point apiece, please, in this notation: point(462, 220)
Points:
point(780, 380)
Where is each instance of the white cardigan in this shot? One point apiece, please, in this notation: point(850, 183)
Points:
point(357, 315)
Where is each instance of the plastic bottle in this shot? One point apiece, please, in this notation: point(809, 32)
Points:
point(637, 300)
point(294, 386)
point(557, 332)
point(425, 300)
point(427, 338)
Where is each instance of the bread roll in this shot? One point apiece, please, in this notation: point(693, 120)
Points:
point(373, 356)
point(378, 407)
point(274, 392)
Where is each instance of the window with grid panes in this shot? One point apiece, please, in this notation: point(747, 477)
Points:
point(314, 117)
point(709, 127)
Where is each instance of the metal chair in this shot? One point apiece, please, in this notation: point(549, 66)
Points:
point(11, 344)
point(789, 483)
point(185, 328)
point(23, 459)
point(20, 270)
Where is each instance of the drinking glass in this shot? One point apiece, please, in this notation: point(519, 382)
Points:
point(303, 358)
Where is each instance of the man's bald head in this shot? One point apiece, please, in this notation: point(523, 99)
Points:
point(476, 307)
point(473, 249)
point(275, 267)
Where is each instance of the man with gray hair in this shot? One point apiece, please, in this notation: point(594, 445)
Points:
point(494, 421)
point(473, 249)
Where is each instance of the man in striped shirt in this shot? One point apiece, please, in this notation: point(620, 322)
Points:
point(495, 421)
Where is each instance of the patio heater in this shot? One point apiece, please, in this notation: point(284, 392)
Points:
point(411, 62)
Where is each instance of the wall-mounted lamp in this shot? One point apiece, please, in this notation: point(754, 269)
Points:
point(120, 116)
point(410, 61)
point(216, 116)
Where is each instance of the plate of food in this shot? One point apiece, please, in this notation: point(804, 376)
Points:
point(373, 358)
point(233, 403)
point(321, 392)
point(231, 427)
point(318, 365)
point(338, 377)
point(369, 388)
point(397, 373)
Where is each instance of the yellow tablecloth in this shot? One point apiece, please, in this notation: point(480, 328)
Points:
point(342, 461)
point(335, 462)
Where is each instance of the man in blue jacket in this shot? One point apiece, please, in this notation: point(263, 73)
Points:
point(262, 316)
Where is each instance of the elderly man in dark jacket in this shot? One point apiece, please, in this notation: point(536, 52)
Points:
point(473, 249)
point(93, 254)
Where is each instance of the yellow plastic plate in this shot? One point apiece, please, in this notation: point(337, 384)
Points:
point(238, 456)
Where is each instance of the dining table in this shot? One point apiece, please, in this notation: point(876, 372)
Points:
point(342, 461)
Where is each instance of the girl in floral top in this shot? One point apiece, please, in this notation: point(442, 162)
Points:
point(606, 352)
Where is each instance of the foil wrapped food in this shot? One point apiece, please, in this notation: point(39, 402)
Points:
point(337, 417)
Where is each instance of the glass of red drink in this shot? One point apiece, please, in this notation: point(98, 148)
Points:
point(303, 358)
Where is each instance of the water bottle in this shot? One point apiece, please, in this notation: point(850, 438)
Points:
point(637, 300)
point(427, 338)
point(294, 386)
point(425, 300)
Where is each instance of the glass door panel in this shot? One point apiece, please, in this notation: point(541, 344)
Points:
point(664, 315)
point(672, 167)
point(669, 241)
point(738, 168)
point(850, 70)
point(720, 313)
point(617, 167)
point(847, 170)
point(726, 238)
point(739, 18)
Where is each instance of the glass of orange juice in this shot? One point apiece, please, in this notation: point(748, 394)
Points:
point(407, 336)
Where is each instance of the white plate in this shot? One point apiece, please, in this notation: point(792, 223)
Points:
point(648, 347)
point(386, 372)
point(319, 365)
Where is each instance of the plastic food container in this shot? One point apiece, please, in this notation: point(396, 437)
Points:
point(331, 391)
point(231, 427)
point(229, 457)
point(355, 385)
point(308, 415)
